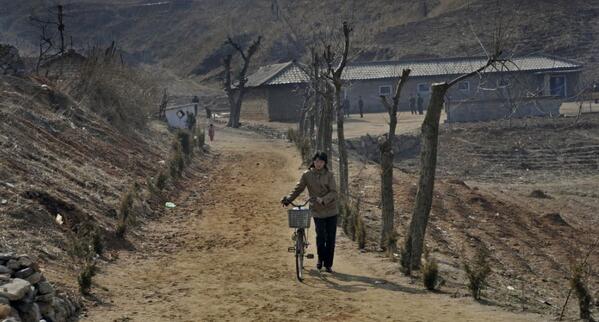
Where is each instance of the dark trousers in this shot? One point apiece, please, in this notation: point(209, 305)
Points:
point(326, 230)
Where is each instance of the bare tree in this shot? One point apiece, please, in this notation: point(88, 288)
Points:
point(235, 92)
point(59, 23)
point(414, 241)
point(334, 74)
point(386, 147)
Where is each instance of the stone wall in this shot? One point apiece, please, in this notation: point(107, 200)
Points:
point(26, 295)
point(480, 111)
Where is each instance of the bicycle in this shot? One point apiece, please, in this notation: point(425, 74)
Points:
point(300, 220)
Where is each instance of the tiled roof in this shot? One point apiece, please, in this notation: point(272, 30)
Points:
point(266, 73)
point(451, 66)
point(290, 73)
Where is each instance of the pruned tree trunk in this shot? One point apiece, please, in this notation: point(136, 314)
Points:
point(414, 241)
point(235, 95)
point(386, 143)
point(334, 73)
point(341, 147)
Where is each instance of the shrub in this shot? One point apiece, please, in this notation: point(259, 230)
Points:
point(200, 138)
point(360, 231)
point(85, 277)
point(185, 142)
point(161, 180)
point(292, 134)
point(126, 213)
point(86, 242)
point(477, 271)
point(430, 272)
point(177, 163)
point(578, 284)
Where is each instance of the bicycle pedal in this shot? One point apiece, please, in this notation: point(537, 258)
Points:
point(291, 249)
point(310, 256)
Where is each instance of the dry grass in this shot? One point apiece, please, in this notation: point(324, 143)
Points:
point(124, 96)
point(430, 272)
point(578, 283)
point(477, 271)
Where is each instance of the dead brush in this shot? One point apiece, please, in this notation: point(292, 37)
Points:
point(86, 242)
point(185, 142)
point(292, 134)
point(126, 213)
point(85, 277)
point(430, 272)
point(578, 282)
point(177, 162)
point(478, 270)
point(161, 180)
point(122, 95)
point(200, 137)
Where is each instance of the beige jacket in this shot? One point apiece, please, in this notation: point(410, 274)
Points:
point(320, 183)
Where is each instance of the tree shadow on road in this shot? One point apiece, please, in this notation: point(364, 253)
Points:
point(360, 283)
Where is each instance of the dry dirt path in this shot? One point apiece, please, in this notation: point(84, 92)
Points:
point(222, 256)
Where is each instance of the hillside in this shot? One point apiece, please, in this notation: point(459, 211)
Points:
point(187, 36)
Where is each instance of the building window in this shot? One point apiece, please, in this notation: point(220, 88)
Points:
point(180, 114)
point(557, 86)
point(464, 86)
point(423, 88)
point(385, 90)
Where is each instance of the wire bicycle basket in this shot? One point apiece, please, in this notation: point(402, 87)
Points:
point(299, 217)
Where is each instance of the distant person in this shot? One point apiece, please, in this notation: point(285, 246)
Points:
point(361, 106)
point(195, 100)
point(412, 104)
point(211, 132)
point(420, 103)
point(208, 113)
point(346, 107)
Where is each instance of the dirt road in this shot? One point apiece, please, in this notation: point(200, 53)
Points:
point(221, 255)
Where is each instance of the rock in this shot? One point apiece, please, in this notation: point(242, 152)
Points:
point(25, 261)
point(24, 273)
point(15, 290)
point(540, 194)
point(555, 219)
point(5, 310)
point(46, 309)
point(4, 278)
point(45, 288)
point(4, 300)
point(31, 315)
point(46, 298)
point(34, 278)
point(13, 264)
point(5, 270)
point(6, 256)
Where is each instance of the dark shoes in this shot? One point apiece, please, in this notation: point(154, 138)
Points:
point(328, 269)
point(319, 266)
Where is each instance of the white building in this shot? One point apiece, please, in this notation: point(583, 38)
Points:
point(176, 116)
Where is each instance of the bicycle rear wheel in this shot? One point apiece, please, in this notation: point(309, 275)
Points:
point(299, 254)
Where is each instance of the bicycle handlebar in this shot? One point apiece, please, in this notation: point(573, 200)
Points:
point(305, 203)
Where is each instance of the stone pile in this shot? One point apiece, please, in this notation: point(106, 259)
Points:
point(10, 61)
point(26, 295)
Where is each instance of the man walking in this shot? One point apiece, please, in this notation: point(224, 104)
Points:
point(346, 107)
point(412, 104)
point(420, 103)
point(361, 106)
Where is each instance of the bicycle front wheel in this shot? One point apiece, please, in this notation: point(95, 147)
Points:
point(299, 254)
